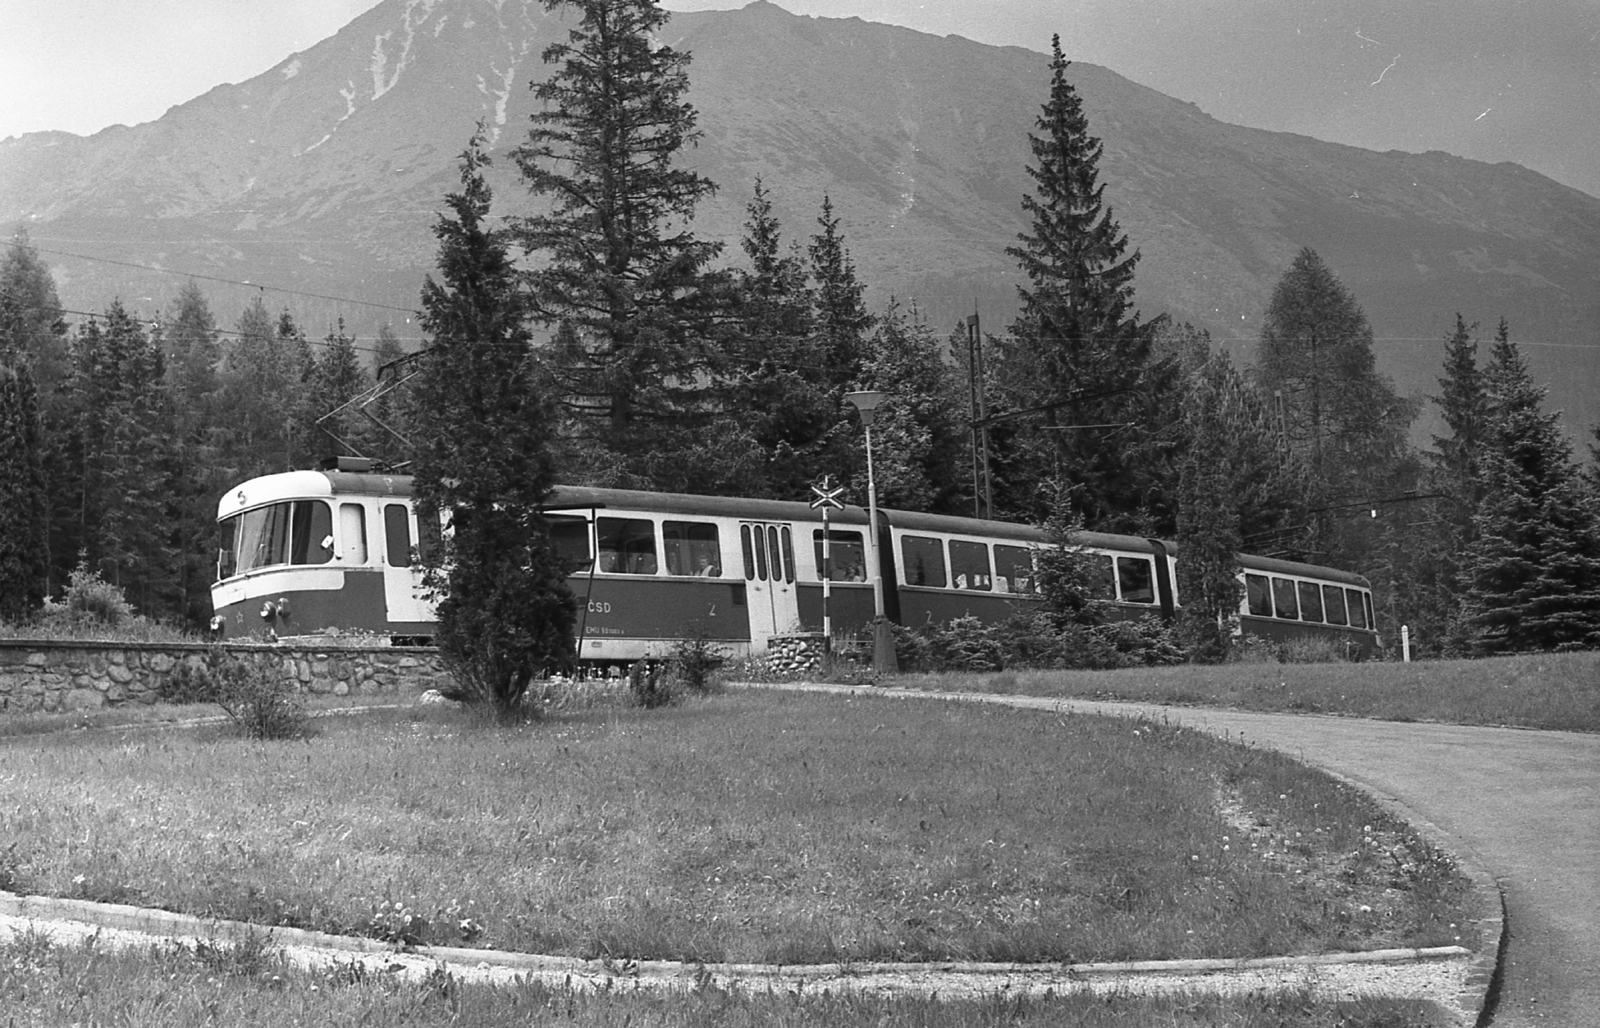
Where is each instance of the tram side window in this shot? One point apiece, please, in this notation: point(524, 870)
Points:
point(1283, 604)
point(353, 532)
point(1310, 601)
point(924, 560)
point(397, 534)
point(1101, 571)
point(569, 537)
point(846, 556)
point(1372, 622)
point(691, 548)
point(627, 546)
point(1013, 569)
point(969, 565)
point(1258, 595)
point(1333, 605)
point(1358, 613)
point(1136, 578)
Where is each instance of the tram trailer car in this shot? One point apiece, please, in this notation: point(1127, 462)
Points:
point(305, 551)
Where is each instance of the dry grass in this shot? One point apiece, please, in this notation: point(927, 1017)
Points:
point(749, 827)
point(1551, 691)
point(242, 987)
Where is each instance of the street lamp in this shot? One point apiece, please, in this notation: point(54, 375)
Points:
point(883, 659)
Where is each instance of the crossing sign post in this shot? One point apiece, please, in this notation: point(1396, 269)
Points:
point(827, 497)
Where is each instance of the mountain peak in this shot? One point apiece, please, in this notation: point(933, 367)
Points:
point(325, 174)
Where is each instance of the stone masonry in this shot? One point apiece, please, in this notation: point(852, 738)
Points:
point(39, 675)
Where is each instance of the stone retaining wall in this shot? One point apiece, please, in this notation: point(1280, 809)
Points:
point(39, 675)
point(797, 653)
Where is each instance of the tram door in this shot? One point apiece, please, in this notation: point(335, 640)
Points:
point(769, 581)
point(405, 602)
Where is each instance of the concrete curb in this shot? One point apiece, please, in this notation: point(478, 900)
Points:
point(1332, 975)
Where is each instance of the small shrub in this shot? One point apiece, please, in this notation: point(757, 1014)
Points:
point(648, 685)
point(189, 681)
point(88, 602)
point(696, 658)
point(11, 875)
point(261, 704)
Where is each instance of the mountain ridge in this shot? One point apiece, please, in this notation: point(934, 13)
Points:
point(325, 174)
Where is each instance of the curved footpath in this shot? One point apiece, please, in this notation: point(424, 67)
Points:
point(1524, 804)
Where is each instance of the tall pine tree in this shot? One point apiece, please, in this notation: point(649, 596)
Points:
point(1077, 355)
point(484, 458)
point(1426, 546)
point(617, 261)
point(24, 503)
point(1533, 570)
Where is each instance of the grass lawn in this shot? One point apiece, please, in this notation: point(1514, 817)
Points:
point(1550, 690)
point(751, 826)
point(241, 987)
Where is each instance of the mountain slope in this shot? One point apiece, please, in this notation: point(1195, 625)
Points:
point(323, 175)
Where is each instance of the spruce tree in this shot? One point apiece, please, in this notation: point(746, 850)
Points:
point(920, 441)
point(618, 263)
point(120, 447)
point(1077, 355)
point(31, 322)
point(1534, 567)
point(198, 444)
point(337, 378)
point(259, 387)
point(841, 321)
point(34, 340)
point(1235, 492)
point(1426, 548)
point(484, 459)
point(24, 502)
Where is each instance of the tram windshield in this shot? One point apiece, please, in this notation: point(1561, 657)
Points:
point(294, 532)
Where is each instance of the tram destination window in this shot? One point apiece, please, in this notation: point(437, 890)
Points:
point(1258, 595)
point(1013, 569)
point(627, 545)
point(969, 565)
point(691, 548)
point(1136, 578)
point(846, 553)
point(924, 560)
point(1333, 605)
point(1310, 601)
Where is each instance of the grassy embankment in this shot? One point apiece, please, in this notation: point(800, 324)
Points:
point(1559, 691)
point(245, 986)
point(747, 827)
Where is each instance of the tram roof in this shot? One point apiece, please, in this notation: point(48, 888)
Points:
point(293, 485)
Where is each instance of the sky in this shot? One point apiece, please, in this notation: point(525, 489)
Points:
point(1489, 79)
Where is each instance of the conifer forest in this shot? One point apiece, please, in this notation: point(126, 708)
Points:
point(580, 331)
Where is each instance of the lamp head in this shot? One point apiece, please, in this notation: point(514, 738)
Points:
point(865, 402)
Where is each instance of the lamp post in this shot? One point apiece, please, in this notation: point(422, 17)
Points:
point(883, 659)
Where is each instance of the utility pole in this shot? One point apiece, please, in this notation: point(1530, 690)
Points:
point(982, 484)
